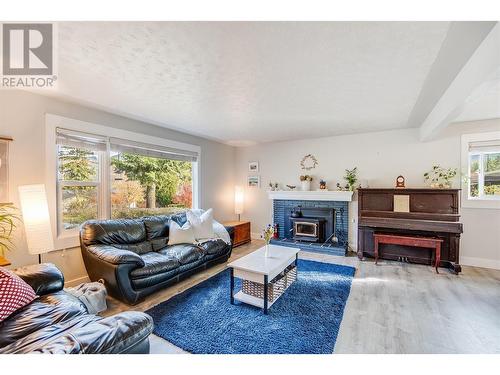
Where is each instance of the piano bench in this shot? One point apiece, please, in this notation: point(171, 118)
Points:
point(421, 242)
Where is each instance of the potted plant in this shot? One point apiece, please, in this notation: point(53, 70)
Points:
point(8, 219)
point(439, 177)
point(351, 178)
point(305, 181)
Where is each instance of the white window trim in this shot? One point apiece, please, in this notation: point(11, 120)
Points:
point(68, 240)
point(474, 202)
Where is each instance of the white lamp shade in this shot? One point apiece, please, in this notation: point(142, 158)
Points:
point(35, 211)
point(239, 198)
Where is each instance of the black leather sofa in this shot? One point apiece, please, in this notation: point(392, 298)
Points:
point(57, 322)
point(134, 260)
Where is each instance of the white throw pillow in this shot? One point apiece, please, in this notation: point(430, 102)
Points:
point(178, 234)
point(203, 225)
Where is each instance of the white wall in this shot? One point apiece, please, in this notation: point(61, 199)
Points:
point(380, 158)
point(22, 116)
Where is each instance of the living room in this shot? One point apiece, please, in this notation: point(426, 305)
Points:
point(300, 186)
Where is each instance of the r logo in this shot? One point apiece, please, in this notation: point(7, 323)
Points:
point(27, 49)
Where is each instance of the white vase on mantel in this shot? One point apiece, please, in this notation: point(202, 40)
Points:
point(306, 185)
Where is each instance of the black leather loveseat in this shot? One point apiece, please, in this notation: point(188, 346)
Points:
point(57, 322)
point(134, 260)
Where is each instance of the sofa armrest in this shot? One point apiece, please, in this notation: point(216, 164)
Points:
point(116, 256)
point(43, 278)
point(116, 334)
point(126, 332)
point(230, 230)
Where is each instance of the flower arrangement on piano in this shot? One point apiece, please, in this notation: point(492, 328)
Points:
point(439, 177)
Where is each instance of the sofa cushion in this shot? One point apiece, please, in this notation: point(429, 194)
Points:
point(189, 266)
point(181, 235)
point(179, 218)
point(138, 248)
point(203, 224)
point(15, 293)
point(43, 312)
point(114, 255)
point(214, 247)
point(156, 226)
point(184, 253)
point(157, 229)
point(111, 232)
point(146, 282)
point(155, 263)
point(159, 243)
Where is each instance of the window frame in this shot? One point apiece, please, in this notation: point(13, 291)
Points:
point(101, 184)
point(482, 201)
point(69, 238)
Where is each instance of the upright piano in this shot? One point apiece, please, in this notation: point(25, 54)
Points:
point(431, 213)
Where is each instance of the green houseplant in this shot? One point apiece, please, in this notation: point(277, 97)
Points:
point(351, 177)
point(440, 177)
point(8, 218)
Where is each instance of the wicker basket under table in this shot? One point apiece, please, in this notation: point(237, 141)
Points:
point(275, 288)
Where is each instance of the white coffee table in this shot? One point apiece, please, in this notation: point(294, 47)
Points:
point(258, 268)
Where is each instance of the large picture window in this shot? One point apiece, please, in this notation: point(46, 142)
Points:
point(149, 181)
point(100, 177)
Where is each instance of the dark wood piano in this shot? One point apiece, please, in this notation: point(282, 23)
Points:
point(432, 213)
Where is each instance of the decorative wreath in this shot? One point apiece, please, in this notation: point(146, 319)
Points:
point(311, 159)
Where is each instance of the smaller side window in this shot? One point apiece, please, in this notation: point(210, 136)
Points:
point(491, 174)
point(484, 170)
point(79, 166)
point(474, 176)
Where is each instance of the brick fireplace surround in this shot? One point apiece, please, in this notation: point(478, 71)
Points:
point(281, 216)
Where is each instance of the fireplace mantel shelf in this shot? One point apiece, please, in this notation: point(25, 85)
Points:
point(329, 195)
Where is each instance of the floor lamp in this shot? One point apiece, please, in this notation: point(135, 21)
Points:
point(36, 220)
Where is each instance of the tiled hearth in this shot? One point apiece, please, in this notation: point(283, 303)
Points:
point(337, 210)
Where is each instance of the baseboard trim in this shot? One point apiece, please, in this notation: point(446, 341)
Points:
point(255, 236)
point(77, 281)
point(480, 262)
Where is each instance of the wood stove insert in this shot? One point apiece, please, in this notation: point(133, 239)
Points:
point(310, 229)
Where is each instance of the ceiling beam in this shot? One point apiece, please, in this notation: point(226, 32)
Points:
point(482, 66)
point(461, 40)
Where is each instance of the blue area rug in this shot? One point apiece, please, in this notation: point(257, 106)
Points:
point(306, 319)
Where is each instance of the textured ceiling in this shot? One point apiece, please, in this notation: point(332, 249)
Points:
point(244, 82)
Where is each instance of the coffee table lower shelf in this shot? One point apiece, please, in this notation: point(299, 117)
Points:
point(251, 300)
point(270, 291)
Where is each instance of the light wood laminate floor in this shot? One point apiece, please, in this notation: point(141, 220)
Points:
point(393, 307)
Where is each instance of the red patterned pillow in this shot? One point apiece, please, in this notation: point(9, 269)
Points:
point(14, 293)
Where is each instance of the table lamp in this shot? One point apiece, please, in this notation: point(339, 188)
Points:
point(238, 201)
